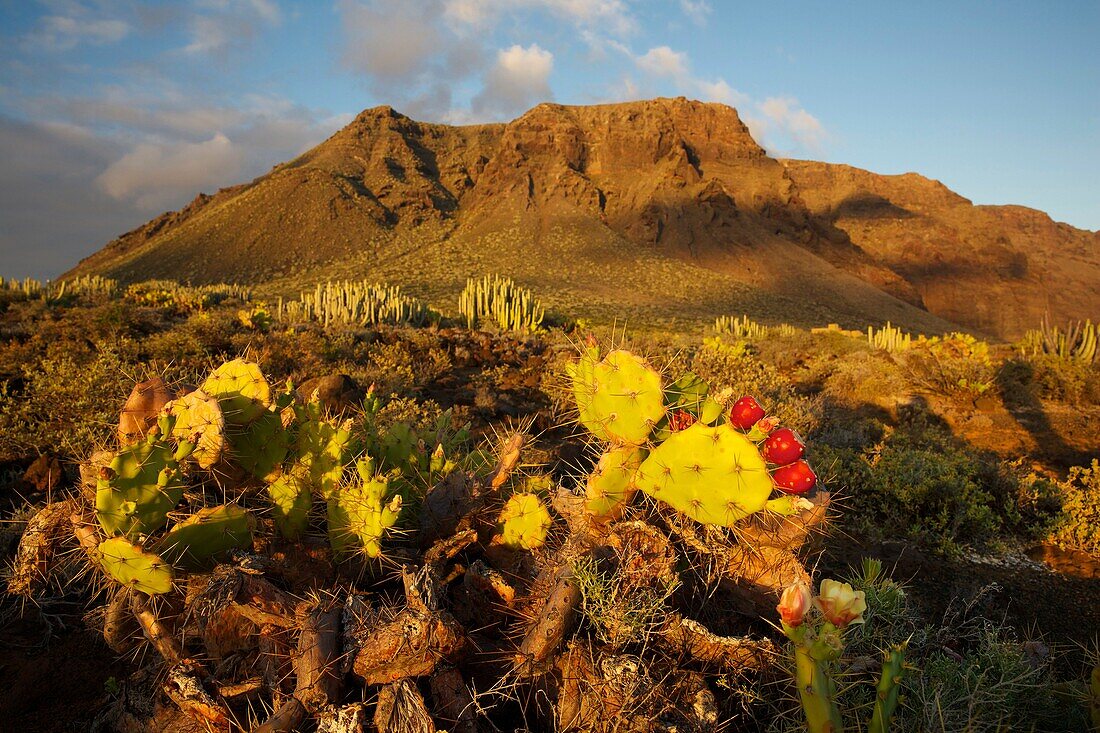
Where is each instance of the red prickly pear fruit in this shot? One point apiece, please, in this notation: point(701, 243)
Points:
point(782, 447)
point(746, 412)
point(797, 478)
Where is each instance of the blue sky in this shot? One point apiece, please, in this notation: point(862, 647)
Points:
point(112, 111)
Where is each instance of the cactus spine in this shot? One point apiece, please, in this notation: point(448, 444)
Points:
point(500, 300)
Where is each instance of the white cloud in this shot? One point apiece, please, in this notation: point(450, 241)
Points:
point(663, 61)
point(64, 32)
point(519, 78)
point(697, 10)
point(224, 24)
point(778, 123)
point(784, 117)
point(155, 176)
point(613, 16)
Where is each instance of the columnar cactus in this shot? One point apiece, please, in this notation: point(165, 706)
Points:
point(816, 626)
point(500, 300)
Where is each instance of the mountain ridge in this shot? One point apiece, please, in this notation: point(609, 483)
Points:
point(624, 192)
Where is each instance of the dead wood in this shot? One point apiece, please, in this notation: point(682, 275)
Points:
point(41, 540)
point(401, 709)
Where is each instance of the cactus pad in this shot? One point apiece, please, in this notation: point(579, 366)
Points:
point(134, 567)
point(715, 475)
point(207, 535)
point(524, 522)
point(620, 398)
point(611, 486)
point(240, 388)
point(359, 515)
point(135, 493)
point(261, 446)
point(199, 420)
point(323, 447)
point(291, 499)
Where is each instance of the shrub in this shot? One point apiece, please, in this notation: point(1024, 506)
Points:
point(955, 365)
point(1078, 525)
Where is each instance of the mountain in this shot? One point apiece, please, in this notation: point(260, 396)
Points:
point(664, 209)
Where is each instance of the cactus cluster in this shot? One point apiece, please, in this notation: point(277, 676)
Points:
point(888, 338)
point(748, 329)
point(501, 301)
point(1076, 341)
point(361, 512)
point(171, 294)
point(355, 304)
point(679, 444)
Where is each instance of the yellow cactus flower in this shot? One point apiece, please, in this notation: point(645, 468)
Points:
point(840, 604)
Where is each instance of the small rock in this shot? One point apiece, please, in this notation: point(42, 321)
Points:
point(44, 474)
point(336, 392)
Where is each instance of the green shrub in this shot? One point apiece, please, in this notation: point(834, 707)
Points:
point(1078, 524)
point(944, 498)
point(1066, 380)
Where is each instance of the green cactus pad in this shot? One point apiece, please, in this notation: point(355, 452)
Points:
point(199, 420)
point(715, 475)
point(360, 514)
point(134, 567)
point(261, 446)
point(611, 486)
point(323, 447)
point(524, 522)
point(291, 500)
point(135, 493)
point(619, 399)
point(686, 393)
point(240, 388)
point(206, 536)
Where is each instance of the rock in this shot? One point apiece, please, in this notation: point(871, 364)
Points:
point(141, 409)
point(44, 474)
point(336, 392)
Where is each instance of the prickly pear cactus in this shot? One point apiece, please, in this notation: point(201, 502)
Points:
point(261, 446)
point(360, 514)
point(611, 486)
point(323, 448)
point(135, 568)
point(714, 475)
point(207, 535)
point(620, 398)
point(524, 522)
point(141, 485)
point(241, 389)
point(291, 499)
point(199, 419)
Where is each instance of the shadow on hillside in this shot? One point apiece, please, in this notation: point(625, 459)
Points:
point(1015, 382)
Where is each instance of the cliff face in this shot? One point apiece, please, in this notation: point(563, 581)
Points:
point(580, 190)
point(995, 268)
